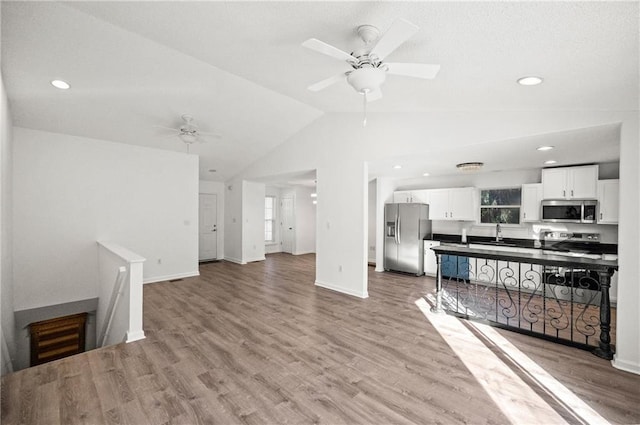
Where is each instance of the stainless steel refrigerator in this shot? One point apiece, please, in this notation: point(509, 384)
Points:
point(405, 227)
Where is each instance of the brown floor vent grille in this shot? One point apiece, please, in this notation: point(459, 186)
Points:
point(57, 338)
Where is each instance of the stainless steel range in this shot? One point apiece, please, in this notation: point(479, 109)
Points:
point(583, 245)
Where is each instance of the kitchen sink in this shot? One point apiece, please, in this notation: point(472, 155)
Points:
point(496, 243)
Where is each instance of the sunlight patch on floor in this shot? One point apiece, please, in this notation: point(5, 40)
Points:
point(516, 399)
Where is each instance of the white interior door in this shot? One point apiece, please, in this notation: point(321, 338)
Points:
point(288, 230)
point(208, 218)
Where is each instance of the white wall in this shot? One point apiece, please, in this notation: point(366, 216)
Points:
point(71, 191)
point(627, 355)
point(305, 221)
point(252, 221)
point(218, 189)
point(8, 348)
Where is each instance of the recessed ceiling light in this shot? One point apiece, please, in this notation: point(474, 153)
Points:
point(545, 148)
point(530, 81)
point(314, 195)
point(551, 161)
point(59, 84)
point(397, 167)
point(426, 174)
point(314, 202)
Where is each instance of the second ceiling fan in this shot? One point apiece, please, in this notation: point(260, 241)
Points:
point(369, 69)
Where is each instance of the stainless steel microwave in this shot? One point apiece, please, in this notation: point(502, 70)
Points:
point(569, 211)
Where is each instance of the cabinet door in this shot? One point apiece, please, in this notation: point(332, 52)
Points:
point(420, 196)
point(402, 197)
point(583, 182)
point(531, 197)
point(430, 263)
point(462, 205)
point(608, 200)
point(554, 183)
point(439, 204)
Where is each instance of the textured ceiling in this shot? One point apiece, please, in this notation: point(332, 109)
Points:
point(239, 68)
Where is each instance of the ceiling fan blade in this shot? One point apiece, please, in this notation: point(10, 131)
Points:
point(175, 130)
point(327, 49)
point(374, 95)
point(400, 31)
point(417, 70)
point(326, 82)
point(216, 135)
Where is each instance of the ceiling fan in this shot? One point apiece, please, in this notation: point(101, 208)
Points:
point(188, 132)
point(369, 69)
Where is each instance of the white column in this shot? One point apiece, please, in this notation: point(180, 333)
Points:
point(627, 355)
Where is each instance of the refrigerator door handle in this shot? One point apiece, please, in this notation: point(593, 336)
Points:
point(398, 230)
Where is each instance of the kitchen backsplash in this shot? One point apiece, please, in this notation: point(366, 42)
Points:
point(608, 233)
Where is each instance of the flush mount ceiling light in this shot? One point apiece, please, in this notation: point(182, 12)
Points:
point(470, 166)
point(545, 148)
point(530, 81)
point(550, 162)
point(59, 84)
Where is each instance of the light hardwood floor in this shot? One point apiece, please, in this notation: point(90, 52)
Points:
point(260, 344)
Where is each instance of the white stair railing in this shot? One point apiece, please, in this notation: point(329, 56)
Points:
point(119, 313)
point(113, 304)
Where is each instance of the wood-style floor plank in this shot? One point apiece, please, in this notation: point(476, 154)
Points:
point(260, 344)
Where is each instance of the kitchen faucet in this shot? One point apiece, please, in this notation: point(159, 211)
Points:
point(498, 233)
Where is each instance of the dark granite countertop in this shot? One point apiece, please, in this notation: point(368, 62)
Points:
point(533, 258)
point(592, 248)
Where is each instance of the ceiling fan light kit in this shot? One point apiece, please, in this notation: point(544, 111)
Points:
point(366, 80)
point(369, 71)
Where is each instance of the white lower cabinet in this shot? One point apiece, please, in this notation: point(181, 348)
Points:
point(430, 263)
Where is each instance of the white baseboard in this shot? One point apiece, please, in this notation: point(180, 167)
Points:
point(379, 269)
point(134, 336)
point(234, 260)
point(626, 366)
point(170, 277)
point(304, 252)
point(252, 260)
point(364, 294)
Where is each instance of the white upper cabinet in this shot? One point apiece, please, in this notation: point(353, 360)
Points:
point(402, 197)
point(439, 204)
point(411, 196)
point(570, 182)
point(531, 197)
point(608, 200)
point(453, 204)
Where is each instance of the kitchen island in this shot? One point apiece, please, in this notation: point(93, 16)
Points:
point(555, 297)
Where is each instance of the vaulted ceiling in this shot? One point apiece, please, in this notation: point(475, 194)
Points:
point(240, 70)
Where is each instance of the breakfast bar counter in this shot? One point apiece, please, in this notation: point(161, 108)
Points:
point(556, 297)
